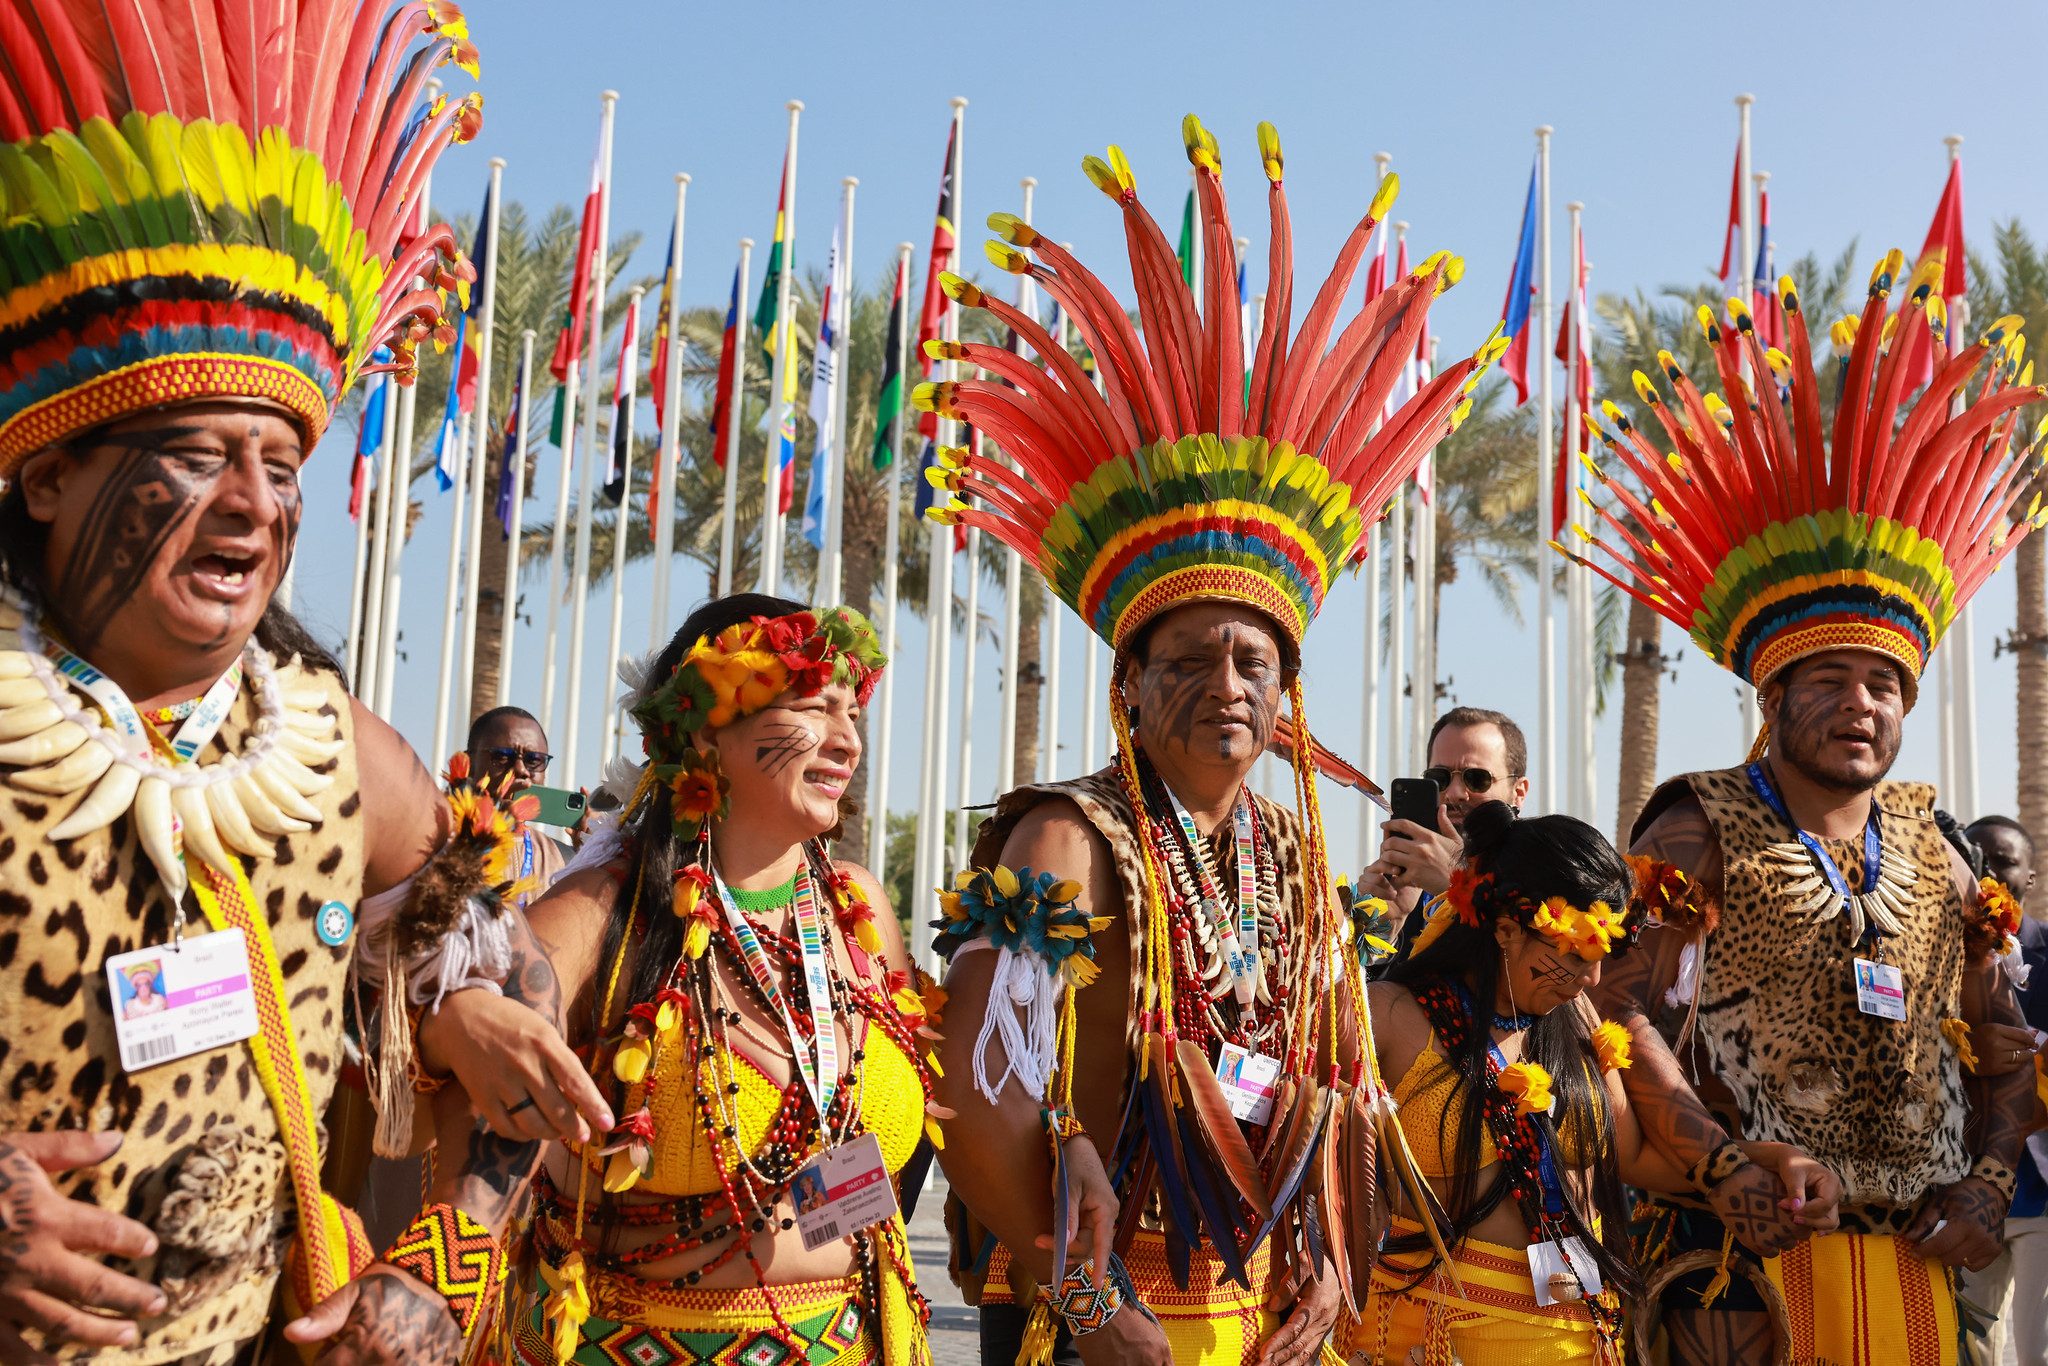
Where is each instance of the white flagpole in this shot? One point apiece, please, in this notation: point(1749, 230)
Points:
point(556, 589)
point(1400, 753)
point(938, 625)
point(781, 409)
point(831, 561)
point(1428, 603)
point(1964, 652)
point(394, 553)
point(579, 600)
point(1013, 577)
point(451, 596)
point(1545, 784)
point(1091, 645)
point(509, 592)
point(671, 437)
point(892, 484)
point(1055, 618)
point(736, 404)
point(379, 515)
point(356, 586)
point(1421, 693)
point(1578, 644)
point(1744, 268)
point(622, 524)
point(480, 452)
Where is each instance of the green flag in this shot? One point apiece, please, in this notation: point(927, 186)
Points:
point(771, 279)
point(555, 432)
point(1186, 251)
point(891, 402)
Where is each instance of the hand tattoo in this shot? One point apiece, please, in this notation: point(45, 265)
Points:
point(18, 1181)
point(395, 1321)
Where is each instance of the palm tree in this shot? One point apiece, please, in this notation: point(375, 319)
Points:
point(2019, 284)
point(1635, 328)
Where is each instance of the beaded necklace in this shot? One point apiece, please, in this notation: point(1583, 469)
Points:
point(1527, 1157)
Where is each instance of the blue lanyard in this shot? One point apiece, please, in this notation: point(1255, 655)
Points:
point(1873, 844)
point(1546, 1160)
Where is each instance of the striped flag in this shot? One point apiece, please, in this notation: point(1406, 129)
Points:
point(657, 374)
point(369, 440)
point(622, 405)
point(890, 403)
point(569, 342)
point(1769, 313)
point(766, 322)
point(1515, 310)
point(1574, 438)
point(1731, 235)
point(824, 391)
point(452, 411)
point(933, 311)
point(1945, 244)
point(728, 365)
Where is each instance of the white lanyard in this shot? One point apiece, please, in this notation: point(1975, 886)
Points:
point(1240, 941)
point(819, 1067)
point(191, 737)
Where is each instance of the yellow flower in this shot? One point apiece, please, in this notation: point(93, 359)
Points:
point(567, 1307)
point(697, 937)
point(1529, 1084)
point(1611, 1042)
point(621, 1173)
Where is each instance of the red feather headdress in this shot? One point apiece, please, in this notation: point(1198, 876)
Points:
point(1770, 541)
point(212, 198)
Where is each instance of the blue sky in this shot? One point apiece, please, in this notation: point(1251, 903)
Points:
point(1851, 109)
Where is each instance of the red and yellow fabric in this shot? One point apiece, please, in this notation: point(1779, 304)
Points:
point(1497, 1321)
point(633, 1321)
point(1863, 1299)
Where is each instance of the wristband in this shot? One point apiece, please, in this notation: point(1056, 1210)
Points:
point(1061, 1124)
point(1716, 1167)
point(1085, 1307)
point(1996, 1175)
point(456, 1257)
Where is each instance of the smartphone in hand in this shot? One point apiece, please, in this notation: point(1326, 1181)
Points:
point(560, 806)
point(1416, 799)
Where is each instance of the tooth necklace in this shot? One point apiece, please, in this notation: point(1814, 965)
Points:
point(63, 744)
point(1816, 884)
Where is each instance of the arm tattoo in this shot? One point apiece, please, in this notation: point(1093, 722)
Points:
point(1999, 1106)
point(787, 742)
point(494, 1172)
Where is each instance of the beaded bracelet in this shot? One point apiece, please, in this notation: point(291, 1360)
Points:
point(455, 1256)
point(1996, 1175)
point(1716, 1167)
point(1085, 1307)
point(1061, 1124)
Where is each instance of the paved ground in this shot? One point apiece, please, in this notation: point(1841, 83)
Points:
point(954, 1339)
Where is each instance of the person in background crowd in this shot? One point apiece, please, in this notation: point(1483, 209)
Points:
point(508, 751)
point(2015, 1287)
point(1475, 755)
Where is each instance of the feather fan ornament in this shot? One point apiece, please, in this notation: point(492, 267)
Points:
point(1767, 540)
point(208, 199)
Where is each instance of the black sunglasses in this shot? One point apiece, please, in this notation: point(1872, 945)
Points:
point(532, 758)
point(1476, 779)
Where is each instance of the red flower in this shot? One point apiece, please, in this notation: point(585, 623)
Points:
point(786, 634)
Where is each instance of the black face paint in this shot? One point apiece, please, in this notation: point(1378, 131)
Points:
point(1177, 692)
point(1549, 971)
point(785, 743)
point(1809, 714)
point(147, 496)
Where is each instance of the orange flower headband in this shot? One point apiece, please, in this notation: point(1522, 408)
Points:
point(1591, 932)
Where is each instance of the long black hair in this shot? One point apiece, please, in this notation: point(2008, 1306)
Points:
point(655, 853)
point(24, 544)
point(1533, 860)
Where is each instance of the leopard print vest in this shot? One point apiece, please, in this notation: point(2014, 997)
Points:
point(202, 1162)
point(1878, 1101)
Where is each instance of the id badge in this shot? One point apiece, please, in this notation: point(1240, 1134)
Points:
point(1550, 1263)
point(1248, 1080)
point(1880, 989)
point(841, 1191)
point(170, 1003)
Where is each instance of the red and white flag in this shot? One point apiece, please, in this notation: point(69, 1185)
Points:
point(1574, 438)
point(1945, 244)
point(569, 342)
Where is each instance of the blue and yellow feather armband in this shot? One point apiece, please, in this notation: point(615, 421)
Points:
point(1027, 913)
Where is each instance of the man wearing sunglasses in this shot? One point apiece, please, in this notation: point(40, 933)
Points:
point(1475, 755)
point(509, 750)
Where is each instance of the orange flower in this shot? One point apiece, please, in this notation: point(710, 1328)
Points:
point(695, 795)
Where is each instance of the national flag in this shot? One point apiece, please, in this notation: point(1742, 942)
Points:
point(824, 392)
point(569, 342)
point(1763, 304)
point(369, 440)
point(623, 397)
point(1376, 269)
point(451, 412)
point(1944, 244)
point(1574, 438)
point(1521, 285)
point(883, 454)
point(932, 313)
point(1731, 236)
point(511, 460)
point(728, 364)
point(1185, 252)
point(657, 371)
point(765, 319)
point(1410, 382)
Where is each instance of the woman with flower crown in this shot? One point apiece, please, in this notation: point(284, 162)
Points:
point(1511, 1101)
point(747, 1003)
